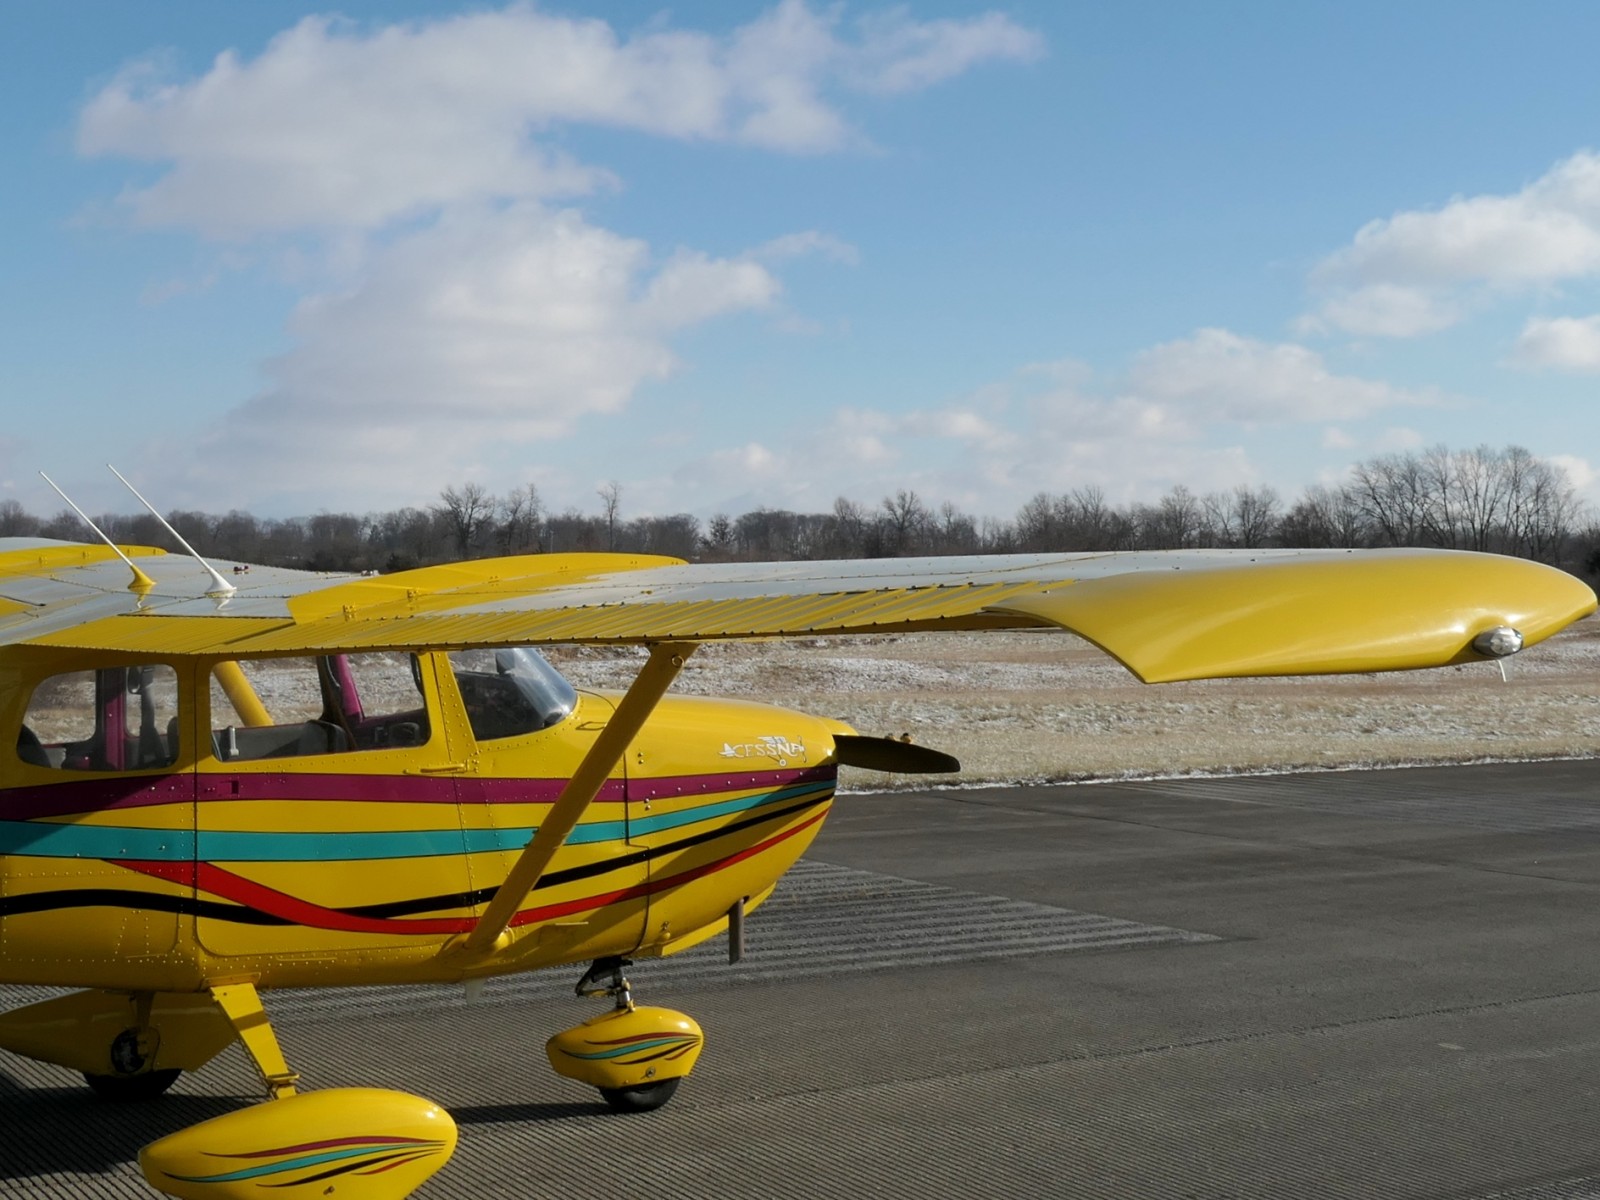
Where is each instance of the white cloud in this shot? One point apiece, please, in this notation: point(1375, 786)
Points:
point(1408, 274)
point(811, 241)
point(1216, 375)
point(1585, 477)
point(1396, 438)
point(493, 329)
point(898, 54)
point(417, 166)
point(1569, 343)
point(1384, 310)
point(1334, 438)
point(336, 125)
point(1184, 412)
point(1550, 230)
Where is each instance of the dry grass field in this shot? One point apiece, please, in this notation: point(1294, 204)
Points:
point(1035, 706)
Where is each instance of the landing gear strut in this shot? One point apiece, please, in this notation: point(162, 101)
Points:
point(635, 1055)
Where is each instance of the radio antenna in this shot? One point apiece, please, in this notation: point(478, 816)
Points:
point(219, 585)
point(142, 583)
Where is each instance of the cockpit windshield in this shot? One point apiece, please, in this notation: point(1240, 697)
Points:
point(510, 691)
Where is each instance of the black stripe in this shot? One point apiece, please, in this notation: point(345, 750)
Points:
point(358, 1165)
point(190, 906)
point(237, 914)
point(422, 904)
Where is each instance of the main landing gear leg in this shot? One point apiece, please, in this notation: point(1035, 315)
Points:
point(242, 1006)
point(636, 1055)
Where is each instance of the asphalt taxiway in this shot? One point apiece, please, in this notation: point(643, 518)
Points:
point(1377, 984)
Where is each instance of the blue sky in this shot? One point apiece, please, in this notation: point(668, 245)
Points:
point(292, 259)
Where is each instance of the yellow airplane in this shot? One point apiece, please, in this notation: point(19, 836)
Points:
point(223, 785)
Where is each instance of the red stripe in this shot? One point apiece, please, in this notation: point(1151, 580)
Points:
point(529, 915)
point(330, 1143)
point(209, 878)
point(637, 1037)
point(206, 877)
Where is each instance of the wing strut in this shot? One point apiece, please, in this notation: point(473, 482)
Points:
point(640, 700)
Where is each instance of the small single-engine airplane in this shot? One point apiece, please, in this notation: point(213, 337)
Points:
point(291, 779)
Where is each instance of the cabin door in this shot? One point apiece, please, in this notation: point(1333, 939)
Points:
point(326, 812)
point(523, 730)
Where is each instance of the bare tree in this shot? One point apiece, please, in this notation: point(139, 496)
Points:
point(466, 514)
point(955, 532)
point(1322, 518)
point(16, 521)
point(1245, 517)
point(1038, 524)
point(517, 529)
point(906, 520)
point(1176, 522)
point(846, 531)
point(718, 542)
point(1391, 493)
point(1542, 508)
point(610, 506)
point(677, 535)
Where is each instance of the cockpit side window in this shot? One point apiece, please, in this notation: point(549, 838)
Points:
point(293, 707)
point(510, 691)
point(108, 719)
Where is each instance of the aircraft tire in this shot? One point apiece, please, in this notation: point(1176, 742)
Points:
point(128, 1088)
point(647, 1097)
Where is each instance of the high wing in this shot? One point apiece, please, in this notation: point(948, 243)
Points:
point(1166, 615)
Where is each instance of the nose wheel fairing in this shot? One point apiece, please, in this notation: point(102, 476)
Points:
point(636, 1055)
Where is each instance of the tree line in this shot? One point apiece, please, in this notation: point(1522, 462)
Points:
point(1500, 500)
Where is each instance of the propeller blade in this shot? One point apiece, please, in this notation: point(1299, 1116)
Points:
point(887, 754)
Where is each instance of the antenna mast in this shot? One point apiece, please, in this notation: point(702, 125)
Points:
point(219, 585)
point(142, 583)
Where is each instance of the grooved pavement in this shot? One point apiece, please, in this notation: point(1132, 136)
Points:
point(1365, 985)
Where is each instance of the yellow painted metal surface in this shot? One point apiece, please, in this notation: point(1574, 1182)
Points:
point(598, 598)
point(241, 1005)
point(76, 1030)
point(45, 557)
point(350, 1143)
point(1373, 611)
point(363, 867)
point(628, 1047)
point(453, 585)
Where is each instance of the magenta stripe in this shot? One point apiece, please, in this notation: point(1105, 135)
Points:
point(352, 788)
point(668, 786)
point(102, 794)
point(94, 793)
point(527, 791)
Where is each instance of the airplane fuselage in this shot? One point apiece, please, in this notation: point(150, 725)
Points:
point(171, 821)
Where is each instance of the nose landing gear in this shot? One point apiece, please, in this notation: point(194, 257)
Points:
point(635, 1055)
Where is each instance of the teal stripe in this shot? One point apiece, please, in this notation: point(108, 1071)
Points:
point(723, 808)
point(44, 839)
point(41, 839)
point(635, 1048)
point(295, 1164)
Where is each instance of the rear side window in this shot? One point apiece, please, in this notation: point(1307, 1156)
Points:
point(109, 719)
point(298, 707)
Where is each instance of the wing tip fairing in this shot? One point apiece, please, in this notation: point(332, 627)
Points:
point(1381, 611)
